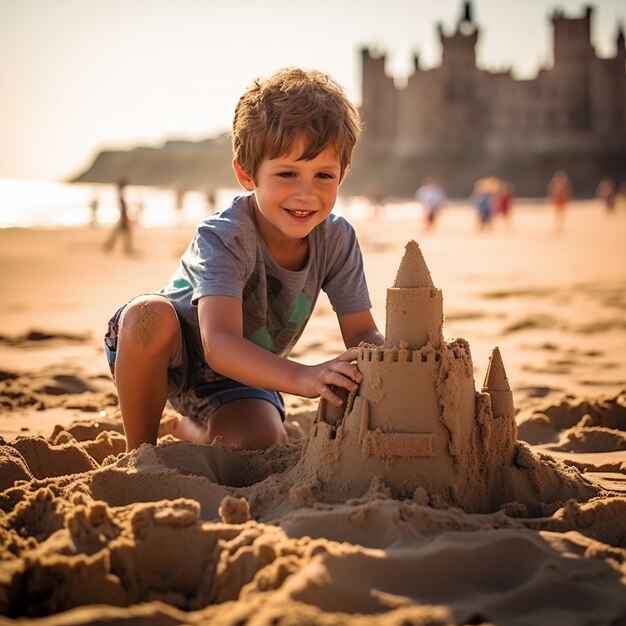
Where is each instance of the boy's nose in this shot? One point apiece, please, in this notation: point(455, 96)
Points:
point(304, 188)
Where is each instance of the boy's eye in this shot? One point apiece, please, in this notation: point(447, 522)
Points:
point(322, 175)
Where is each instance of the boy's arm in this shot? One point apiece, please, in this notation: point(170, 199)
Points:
point(227, 351)
point(358, 327)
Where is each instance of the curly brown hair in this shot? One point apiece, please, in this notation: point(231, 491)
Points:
point(294, 104)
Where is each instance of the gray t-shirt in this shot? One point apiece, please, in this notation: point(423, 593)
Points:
point(228, 257)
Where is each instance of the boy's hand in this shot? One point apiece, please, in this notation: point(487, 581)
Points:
point(339, 372)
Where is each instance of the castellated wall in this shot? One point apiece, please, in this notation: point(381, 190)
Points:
point(406, 385)
point(421, 403)
point(395, 382)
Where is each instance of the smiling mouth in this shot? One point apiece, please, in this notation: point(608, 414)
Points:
point(299, 213)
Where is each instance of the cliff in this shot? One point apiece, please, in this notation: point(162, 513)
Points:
point(186, 165)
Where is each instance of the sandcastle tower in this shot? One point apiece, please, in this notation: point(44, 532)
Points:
point(416, 419)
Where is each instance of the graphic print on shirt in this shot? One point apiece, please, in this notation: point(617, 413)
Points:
point(267, 322)
point(180, 283)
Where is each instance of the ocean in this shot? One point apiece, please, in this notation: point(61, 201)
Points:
point(48, 204)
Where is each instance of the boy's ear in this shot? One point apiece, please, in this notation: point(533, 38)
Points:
point(247, 182)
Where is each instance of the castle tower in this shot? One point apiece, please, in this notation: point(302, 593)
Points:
point(459, 49)
point(607, 96)
point(414, 304)
point(379, 100)
point(413, 335)
point(572, 40)
point(497, 386)
point(502, 427)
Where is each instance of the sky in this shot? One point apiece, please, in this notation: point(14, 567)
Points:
point(78, 76)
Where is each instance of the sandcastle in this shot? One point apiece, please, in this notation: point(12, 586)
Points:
point(418, 423)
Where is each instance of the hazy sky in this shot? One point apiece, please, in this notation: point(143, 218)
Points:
point(80, 75)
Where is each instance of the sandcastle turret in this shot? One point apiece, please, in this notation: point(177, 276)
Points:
point(413, 340)
point(503, 426)
point(414, 304)
point(497, 386)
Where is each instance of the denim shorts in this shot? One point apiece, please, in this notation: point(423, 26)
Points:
point(194, 390)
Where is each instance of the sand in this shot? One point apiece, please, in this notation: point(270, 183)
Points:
point(183, 533)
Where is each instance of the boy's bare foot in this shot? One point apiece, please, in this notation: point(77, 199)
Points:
point(188, 430)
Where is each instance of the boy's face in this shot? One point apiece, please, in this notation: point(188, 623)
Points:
point(292, 196)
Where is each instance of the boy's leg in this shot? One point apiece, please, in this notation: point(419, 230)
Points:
point(148, 342)
point(251, 423)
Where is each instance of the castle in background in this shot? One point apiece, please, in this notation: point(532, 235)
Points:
point(575, 109)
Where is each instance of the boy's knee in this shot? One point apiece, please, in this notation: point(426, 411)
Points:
point(261, 440)
point(150, 323)
point(248, 423)
point(267, 439)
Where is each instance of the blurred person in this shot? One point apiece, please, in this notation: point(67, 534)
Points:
point(94, 206)
point(560, 193)
point(123, 226)
point(504, 202)
point(483, 198)
point(607, 193)
point(432, 196)
point(210, 201)
point(179, 203)
point(377, 201)
point(214, 342)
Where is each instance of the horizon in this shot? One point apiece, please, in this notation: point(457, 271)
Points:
point(81, 76)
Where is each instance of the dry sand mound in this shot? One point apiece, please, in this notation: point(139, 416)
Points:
point(179, 532)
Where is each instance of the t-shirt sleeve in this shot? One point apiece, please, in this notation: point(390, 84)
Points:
point(213, 267)
point(345, 282)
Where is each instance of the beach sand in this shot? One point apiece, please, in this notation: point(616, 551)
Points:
point(182, 533)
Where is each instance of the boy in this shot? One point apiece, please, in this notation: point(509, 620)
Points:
point(214, 341)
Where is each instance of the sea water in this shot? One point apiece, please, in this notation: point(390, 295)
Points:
point(47, 204)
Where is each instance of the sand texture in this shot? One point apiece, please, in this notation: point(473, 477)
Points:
point(478, 475)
